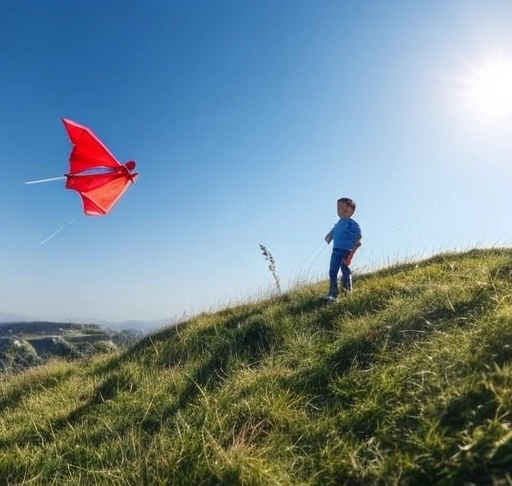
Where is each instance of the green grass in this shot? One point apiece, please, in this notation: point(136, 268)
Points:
point(408, 381)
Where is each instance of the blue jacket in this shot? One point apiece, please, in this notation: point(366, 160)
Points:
point(346, 233)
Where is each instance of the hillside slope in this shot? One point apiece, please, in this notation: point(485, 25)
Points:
point(407, 381)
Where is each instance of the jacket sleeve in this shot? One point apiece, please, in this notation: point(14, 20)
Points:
point(356, 232)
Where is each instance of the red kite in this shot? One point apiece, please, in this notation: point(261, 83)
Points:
point(94, 172)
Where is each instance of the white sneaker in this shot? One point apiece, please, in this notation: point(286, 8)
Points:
point(330, 298)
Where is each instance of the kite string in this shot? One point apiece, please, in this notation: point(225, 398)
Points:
point(323, 246)
point(55, 233)
point(310, 261)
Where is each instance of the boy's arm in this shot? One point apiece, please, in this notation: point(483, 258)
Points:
point(328, 236)
point(358, 235)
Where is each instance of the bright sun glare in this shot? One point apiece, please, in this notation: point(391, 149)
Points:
point(490, 89)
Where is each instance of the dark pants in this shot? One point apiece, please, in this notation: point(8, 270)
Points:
point(337, 263)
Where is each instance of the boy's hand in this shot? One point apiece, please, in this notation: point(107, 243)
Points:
point(348, 259)
point(328, 237)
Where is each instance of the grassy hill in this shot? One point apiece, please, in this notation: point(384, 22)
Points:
point(407, 381)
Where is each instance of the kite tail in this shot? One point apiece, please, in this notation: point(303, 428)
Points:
point(45, 180)
point(55, 233)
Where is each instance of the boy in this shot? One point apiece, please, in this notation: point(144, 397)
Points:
point(346, 237)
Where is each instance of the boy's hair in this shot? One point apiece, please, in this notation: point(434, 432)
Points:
point(348, 202)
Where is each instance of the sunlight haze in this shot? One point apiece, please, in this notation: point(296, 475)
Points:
point(492, 88)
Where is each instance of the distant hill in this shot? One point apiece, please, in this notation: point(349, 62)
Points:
point(407, 381)
point(140, 325)
point(45, 328)
point(27, 344)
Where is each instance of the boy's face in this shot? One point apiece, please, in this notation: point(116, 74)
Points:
point(344, 210)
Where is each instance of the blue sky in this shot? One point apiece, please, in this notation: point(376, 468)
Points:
point(248, 119)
